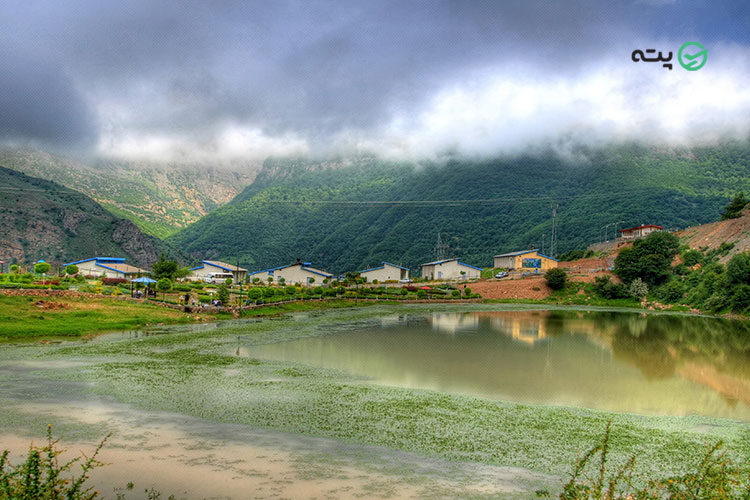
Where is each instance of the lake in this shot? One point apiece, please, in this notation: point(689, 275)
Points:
point(653, 364)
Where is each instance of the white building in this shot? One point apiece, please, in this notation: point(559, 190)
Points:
point(639, 232)
point(107, 267)
point(386, 272)
point(209, 268)
point(450, 269)
point(300, 273)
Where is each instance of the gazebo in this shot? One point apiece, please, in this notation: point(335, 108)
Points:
point(146, 281)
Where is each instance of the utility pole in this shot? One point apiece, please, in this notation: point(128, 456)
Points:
point(553, 242)
point(544, 237)
point(617, 224)
point(240, 283)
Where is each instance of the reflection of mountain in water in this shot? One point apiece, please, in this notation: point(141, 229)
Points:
point(708, 351)
point(641, 363)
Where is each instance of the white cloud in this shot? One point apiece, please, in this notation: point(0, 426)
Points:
point(619, 100)
point(496, 110)
point(231, 142)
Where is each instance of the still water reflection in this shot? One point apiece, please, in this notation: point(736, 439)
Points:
point(641, 363)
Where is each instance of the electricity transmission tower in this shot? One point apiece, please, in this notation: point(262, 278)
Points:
point(553, 242)
point(441, 249)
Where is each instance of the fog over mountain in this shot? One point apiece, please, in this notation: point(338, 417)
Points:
point(218, 81)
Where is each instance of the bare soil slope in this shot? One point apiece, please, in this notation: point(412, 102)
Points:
point(711, 236)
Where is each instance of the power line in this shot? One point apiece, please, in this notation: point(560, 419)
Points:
point(456, 202)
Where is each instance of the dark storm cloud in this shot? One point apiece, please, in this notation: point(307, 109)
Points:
point(307, 69)
point(40, 105)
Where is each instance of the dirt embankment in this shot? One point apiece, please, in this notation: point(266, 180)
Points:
point(532, 288)
point(527, 288)
point(712, 235)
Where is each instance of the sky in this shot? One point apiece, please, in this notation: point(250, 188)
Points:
point(180, 80)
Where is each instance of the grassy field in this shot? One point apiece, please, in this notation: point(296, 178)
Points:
point(30, 316)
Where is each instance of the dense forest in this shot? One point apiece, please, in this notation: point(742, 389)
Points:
point(347, 214)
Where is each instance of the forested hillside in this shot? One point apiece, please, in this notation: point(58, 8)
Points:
point(44, 220)
point(160, 198)
point(348, 214)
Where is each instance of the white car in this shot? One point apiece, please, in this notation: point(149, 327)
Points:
point(407, 280)
point(501, 274)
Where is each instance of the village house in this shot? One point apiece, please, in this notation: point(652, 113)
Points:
point(385, 272)
point(300, 273)
point(639, 232)
point(450, 269)
point(530, 261)
point(217, 272)
point(108, 267)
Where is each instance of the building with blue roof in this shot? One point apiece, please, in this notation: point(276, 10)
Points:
point(385, 272)
point(107, 267)
point(530, 261)
point(450, 269)
point(301, 273)
point(217, 272)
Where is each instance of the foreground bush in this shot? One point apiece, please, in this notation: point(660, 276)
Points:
point(715, 478)
point(40, 477)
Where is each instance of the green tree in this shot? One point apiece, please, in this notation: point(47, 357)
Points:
point(164, 268)
point(254, 293)
point(556, 278)
point(467, 292)
point(164, 285)
point(421, 294)
point(738, 269)
point(734, 209)
point(691, 257)
point(223, 295)
point(41, 267)
point(228, 281)
point(13, 268)
point(649, 258)
point(741, 299)
point(71, 269)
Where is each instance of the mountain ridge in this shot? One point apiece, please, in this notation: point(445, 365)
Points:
point(160, 198)
point(349, 217)
point(45, 220)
